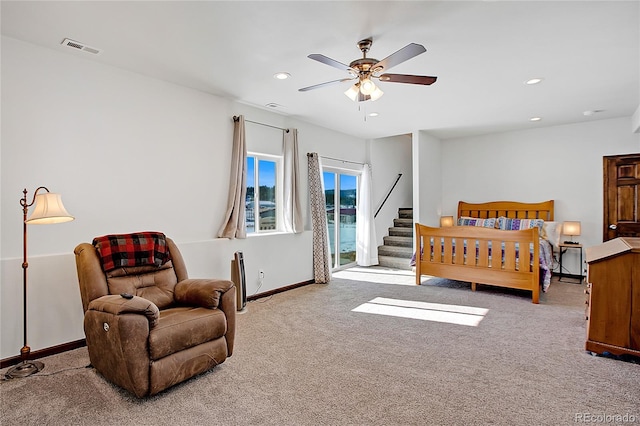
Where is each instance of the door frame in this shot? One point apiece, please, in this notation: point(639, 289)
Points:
point(338, 171)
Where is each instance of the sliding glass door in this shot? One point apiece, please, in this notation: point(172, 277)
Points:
point(340, 204)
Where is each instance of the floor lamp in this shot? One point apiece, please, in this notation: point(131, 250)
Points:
point(48, 209)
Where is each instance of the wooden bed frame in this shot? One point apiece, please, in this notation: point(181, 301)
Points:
point(484, 268)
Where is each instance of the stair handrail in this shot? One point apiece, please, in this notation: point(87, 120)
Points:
point(388, 193)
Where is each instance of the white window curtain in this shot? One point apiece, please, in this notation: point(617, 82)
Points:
point(366, 246)
point(234, 220)
point(291, 184)
point(321, 255)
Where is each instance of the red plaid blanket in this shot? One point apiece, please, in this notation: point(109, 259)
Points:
point(138, 249)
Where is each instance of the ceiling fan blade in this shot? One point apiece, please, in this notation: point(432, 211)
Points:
point(331, 62)
point(407, 78)
point(404, 54)
point(328, 83)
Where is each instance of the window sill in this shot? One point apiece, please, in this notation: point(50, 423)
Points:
point(264, 234)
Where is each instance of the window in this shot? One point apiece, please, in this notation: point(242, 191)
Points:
point(264, 173)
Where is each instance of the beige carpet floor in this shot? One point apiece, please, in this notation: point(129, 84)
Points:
point(305, 357)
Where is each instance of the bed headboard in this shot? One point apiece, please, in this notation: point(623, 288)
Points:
point(513, 209)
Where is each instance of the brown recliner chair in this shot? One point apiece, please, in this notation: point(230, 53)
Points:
point(148, 326)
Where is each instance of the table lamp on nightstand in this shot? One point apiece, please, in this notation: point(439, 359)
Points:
point(446, 221)
point(571, 228)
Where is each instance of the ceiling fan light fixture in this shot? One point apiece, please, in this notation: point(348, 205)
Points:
point(367, 87)
point(352, 92)
point(364, 69)
point(377, 94)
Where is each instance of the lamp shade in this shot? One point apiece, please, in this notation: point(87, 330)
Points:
point(377, 94)
point(48, 208)
point(446, 221)
point(571, 228)
point(352, 92)
point(367, 86)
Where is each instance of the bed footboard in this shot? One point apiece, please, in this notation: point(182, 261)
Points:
point(480, 255)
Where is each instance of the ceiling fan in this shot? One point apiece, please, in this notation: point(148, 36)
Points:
point(364, 70)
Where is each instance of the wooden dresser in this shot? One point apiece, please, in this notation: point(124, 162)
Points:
point(613, 274)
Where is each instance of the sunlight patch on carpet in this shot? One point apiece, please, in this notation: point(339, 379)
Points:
point(453, 314)
point(378, 274)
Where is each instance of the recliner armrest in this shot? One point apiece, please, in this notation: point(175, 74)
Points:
point(202, 292)
point(118, 305)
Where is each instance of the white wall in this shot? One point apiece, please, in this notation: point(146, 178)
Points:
point(127, 153)
point(561, 163)
point(427, 179)
point(391, 156)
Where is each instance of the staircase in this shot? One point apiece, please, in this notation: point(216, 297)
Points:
point(398, 245)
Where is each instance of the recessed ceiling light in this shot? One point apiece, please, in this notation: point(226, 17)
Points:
point(373, 114)
point(535, 119)
point(592, 112)
point(281, 75)
point(533, 81)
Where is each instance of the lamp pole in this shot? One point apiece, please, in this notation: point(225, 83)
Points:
point(26, 368)
point(48, 210)
point(26, 350)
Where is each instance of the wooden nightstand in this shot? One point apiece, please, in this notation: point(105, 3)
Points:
point(564, 247)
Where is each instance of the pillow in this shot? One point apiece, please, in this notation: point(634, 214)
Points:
point(474, 221)
point(551, 231)
point(513, 224)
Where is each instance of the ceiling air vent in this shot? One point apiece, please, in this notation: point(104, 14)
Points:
point(80, 46)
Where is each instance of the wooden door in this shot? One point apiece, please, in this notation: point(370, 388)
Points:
point(621, 196)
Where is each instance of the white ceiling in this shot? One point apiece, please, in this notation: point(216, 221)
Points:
point(481, 51)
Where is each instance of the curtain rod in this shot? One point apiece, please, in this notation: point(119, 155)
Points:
point(337, 159)
point(236, 118)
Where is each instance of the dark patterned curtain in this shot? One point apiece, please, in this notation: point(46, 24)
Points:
point(321, 256)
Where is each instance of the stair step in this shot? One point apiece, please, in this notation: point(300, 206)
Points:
point(402, 241)
point(401, 232)
point(403, 223)
point(396, 251)
point(394, 262)
point(406, 213)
